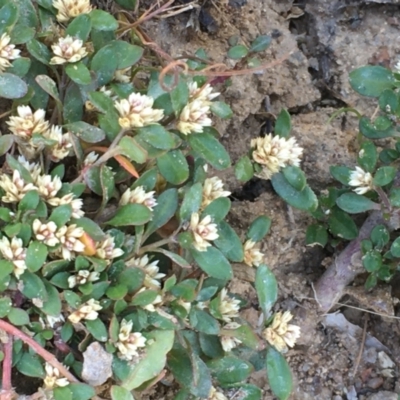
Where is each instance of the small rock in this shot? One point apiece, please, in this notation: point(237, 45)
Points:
point(375, 383)
point(384, 395)
point(388, 373)
point(96, 365)
point(384, 360)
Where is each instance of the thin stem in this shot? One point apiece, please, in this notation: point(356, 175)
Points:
point(154, 245)
point(383, 196)
point(7, 364)
point(50, 358)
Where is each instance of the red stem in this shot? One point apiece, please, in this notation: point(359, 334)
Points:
point(7, 364)
point(50, 358)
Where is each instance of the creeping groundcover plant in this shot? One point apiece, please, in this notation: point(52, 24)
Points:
point(115, 252)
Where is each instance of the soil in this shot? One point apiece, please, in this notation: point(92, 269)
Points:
point(326, 39)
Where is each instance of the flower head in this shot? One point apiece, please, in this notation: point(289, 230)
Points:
point(274, 153)
point(62, 146)
point(86, 311)
point(215, 395)
point(151, 306)
point(228, 306)
point(33, 168)
point(68, 50)
point(203, 231)
point(16, 188)
point(123, 75)
point(230, 342)
point(45, 233)
point(70, 243)
point(82, 277)
point(361, 180)
point(194, 117)
point(152, 276)
point(137, 111)
point(204, 93)
point(213, 188)
point(138, 196)
point(7, 52)
point(129, 342)
point(27, 122)
point(48, 186)
point(68, 9)
point(252, 254)
point(280, 334)
point(53, 378)
point(15, 252)
point(90, 159)
point(106, 249)
point(76, 204)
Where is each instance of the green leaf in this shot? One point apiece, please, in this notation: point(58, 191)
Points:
point(191, 201)
point(295, 177)
point(178, 260)
point(367, 156)
point(53, 304)
point(340, 173)
point(20, 67)
point(133, 278)
point(101, 101)
point(388, 101)
point(261, 43)
point(173, 167)
point(147, 180)
point(29, 202)
point(384, 176)
point(230, 369)
point(202, 321)
point(213, 263)
point(73, 103)
point(267, 289)
point(61, 215)
point(221, 109)
point(371, 282)
point(371, 80)
point(395, 248)
point(133, 150)
point(39, 51)
point(86, 132)
point(18, 317)
point(354, 203)
point(375, 131)
point(80, 27)
point(131, 214)
point(79, 73)
point(279, 374)
point(394, 197)
point(62, 393)
point(342, 225)
point(12, 86)
point(97, 329)
point(92, 179)
point(229, 243)
point(316, 235)
point(157, 136)
point(144, 298)
point(6, 141)
point(283, 124)
point(33, 286)
point(5, 306)
point(303, 200)
point(90, 227)
point(244, 169)
point(380, 236)
point(259, 228)
point(30, 365)
point(8, 17)
point(167, 204)
point(127, 4)
point(179, 96)
point(209, 148)
point(81, 391)
point(372, 261)
point(103, 21)
point(36, 256)
point(154, 361)
point(107, 184)
point(218, 209)
point(120, 393)
point(237, 52)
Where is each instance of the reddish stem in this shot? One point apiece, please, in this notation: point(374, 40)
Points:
point(7, 364)
point(50, 358)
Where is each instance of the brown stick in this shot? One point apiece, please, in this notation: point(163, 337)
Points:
point(50, 358)
point(7, 364)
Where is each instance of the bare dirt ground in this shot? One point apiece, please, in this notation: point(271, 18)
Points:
point(327, 39)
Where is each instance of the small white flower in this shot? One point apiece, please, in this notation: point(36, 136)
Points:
point(68, 50)
point(280, 334)
point(82, 277)
point(362, 180)
point(123, 75)
point(63, 145)
point(14, 252)
point(230, 342)
point(48, 187)
point(53, 378)
point(129, 342)
point(213, 188)
point(90, 159)
point(194, 117)
point(69, 236)
point(26, 123)
point(7, 52)
point(203, 231)
point(138, 196)
point(86, 311)
point(45, 233)
point(15, 188)
point(76, 204)
point(215, 395)
point(106, 249)
point(252, 254)
point(228, 307)
point(33, 168)
point(137, 111)
point(205, 93)
point(68, 9)
point(153, 276)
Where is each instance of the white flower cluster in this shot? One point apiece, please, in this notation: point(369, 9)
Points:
point(203, 231)
point(53, 379)
point(68, 50)
point(15, 252)
point(138, 196)
point(361, 180)
point(252, 254)
point(274, 153)
point(27, 122)
point(68, 9)
point(153, 276)
point(7, 52)
point(129, 343)
point(195, 115)
point(86, 311)
point(213, 188)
